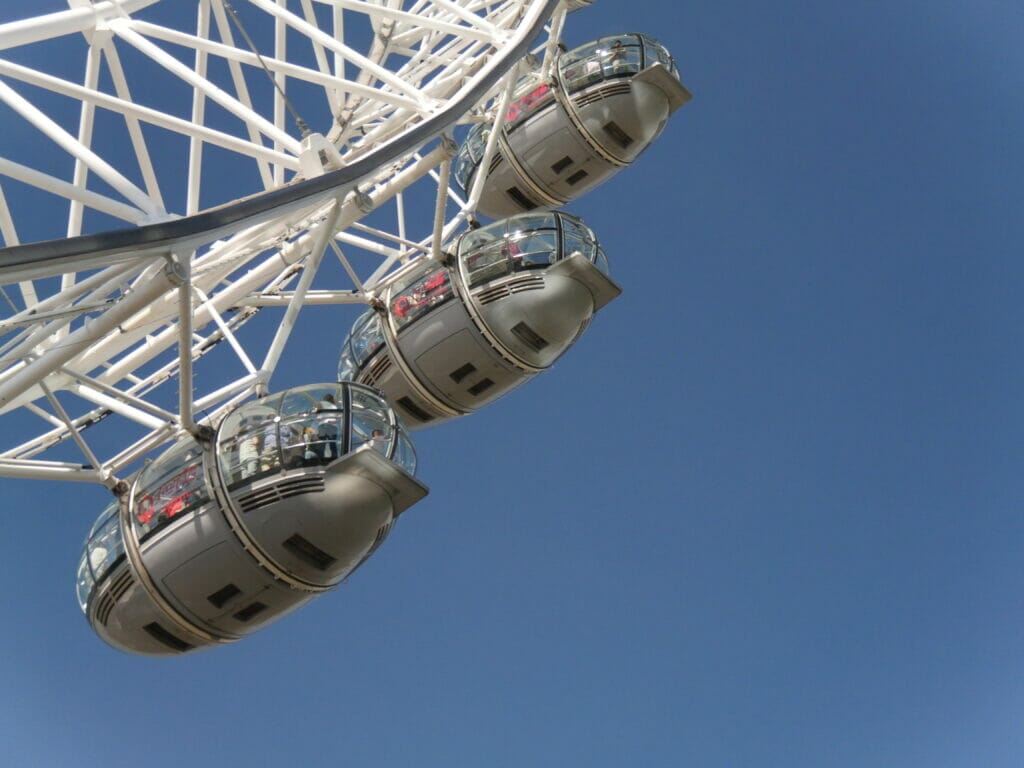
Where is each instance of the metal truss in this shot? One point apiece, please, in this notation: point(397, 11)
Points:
point(179, 173)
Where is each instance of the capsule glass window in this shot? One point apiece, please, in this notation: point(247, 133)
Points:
point(105, 545)
point(249, 443)
point(83, 583)
point(371, 423)
point(411, 301)
point(655, 52)
point(470, 154)
point(170, 487)
point(534, 95)
point(348, 369)
point(301, 427)
point(367, 338)
point(405, 454)
point(609, 57)
point(576, 237)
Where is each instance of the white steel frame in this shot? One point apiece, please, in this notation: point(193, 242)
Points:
point(96, 322)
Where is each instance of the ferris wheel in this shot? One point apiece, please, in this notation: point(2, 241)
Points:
point(172, 171)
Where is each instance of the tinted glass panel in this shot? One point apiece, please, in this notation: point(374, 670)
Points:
point(487, 263)
point(169, 487)
point(534, 249)
point(417, 299)
point(83, 583)
point(367, 339)
point(370, 423)
point(405, 456)
point(105, 547)
point(470, 154)
point(526, 103)
point(307, 428)
point(600, 60)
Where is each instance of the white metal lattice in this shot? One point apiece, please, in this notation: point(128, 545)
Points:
point(164, 176)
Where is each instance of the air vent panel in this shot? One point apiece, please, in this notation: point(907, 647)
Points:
point(376, 371)
point(414, 410)
point(529, 337)
point(605, 92)
point(112, 594)
point(165, 638)
point(285, 489)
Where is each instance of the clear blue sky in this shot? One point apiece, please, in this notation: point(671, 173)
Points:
point(766, 513)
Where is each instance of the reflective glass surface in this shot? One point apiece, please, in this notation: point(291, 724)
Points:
point(370, 423)
point(405, 454)
point(347, 368)
point(470, 154)
point(302, 427)
point(368, 338)
point(611, 57)
point(363, 341)
point(83, 583)
point(418, 292)
point(527, 102)
point(171, 486)
point(527, 241)
point(103, 547)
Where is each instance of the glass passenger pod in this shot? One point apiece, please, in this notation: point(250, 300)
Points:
point(103, 550)
point(535, 281)
point(168, 489)
point(314, 474)
point(518, 294)
point(614, 98)
point(622, 90)
point(315, 477)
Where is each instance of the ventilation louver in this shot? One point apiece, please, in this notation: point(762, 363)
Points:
point(605, 92)
point(519, 284)
point(285, 489)
point(308, 552)
point(113, 593)
point(164, 637)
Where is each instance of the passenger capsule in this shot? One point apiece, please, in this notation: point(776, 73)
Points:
point(450, 339)
point(609, 100)
point(215, 541)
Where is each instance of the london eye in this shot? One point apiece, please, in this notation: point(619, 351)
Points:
point(176, 191)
